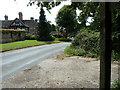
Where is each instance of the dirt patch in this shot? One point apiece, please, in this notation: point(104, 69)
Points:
point(63, 72)
point(60, 56)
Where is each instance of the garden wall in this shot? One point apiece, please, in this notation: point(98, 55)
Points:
point(11, 35)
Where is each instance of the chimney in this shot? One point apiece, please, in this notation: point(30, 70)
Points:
point(6, 18)
point(36, 20)
point(20, 15)
point(31, 18)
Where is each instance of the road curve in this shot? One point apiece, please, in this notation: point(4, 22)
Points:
point(16, 60)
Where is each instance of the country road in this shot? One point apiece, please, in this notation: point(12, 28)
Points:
point(16, 60)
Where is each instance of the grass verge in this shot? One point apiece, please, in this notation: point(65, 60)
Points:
point(23, 44)
point(76, 51)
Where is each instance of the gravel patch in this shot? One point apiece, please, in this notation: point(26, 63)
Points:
point(57, 72)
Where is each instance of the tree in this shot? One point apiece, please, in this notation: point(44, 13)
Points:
point(53, 27)
point(116, 31)
point(44, 3)
point(88, 9)
point(44, 28)
point(66, 19)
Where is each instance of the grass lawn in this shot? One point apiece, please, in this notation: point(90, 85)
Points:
point(23, 44)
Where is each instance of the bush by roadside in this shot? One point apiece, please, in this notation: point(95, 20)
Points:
point(86, 43)
point(87, 40)
point(30, 37)
point(115, 55)
point(76, 51)
point(115, 85)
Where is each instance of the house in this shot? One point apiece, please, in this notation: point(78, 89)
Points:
point(15, 30)
point(30, 26)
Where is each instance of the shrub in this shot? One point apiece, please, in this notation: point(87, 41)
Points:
point(92, 55)
point(30, 37)
point(47, 38)
point(116, 46)
point(65, 39)
point(116, 85)
point(115, 55)
point(74, 51)
point(88, 41)
point(57, 36)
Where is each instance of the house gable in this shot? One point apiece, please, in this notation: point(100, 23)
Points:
point(18, 24)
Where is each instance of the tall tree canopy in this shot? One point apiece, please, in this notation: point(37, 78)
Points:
point(66, 19)
point(49, 4)
point(88, 9)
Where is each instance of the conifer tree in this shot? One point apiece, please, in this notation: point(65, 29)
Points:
point(44, 28)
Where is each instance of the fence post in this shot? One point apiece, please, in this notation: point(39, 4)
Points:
point(105, 46)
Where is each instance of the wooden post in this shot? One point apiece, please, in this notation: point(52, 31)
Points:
point(105, 47)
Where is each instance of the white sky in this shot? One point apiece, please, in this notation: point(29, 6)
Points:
point(12, 8)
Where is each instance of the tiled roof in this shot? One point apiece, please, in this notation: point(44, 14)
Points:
point(6, 24)
point(31, 23)
point(28, 23)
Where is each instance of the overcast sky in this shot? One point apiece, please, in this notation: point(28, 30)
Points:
point(11, 8)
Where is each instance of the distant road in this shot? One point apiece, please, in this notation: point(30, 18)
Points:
point(16, 60)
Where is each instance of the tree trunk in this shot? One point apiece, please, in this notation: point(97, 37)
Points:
point(105, 47)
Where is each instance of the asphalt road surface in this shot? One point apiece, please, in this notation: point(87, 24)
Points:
point(16, 60)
